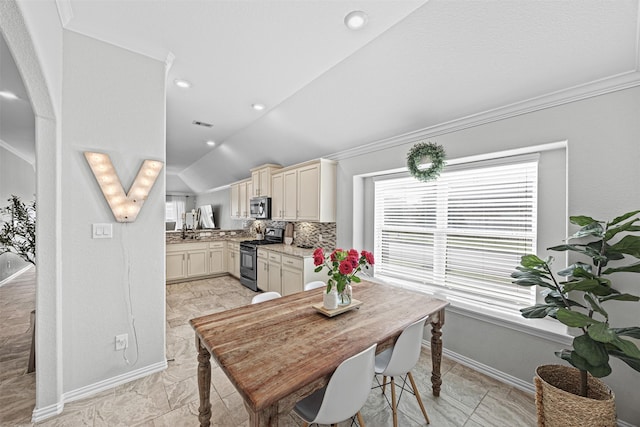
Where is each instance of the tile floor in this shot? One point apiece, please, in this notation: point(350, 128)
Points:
point(170, 398)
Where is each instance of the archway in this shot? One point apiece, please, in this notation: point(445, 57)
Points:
point(48, 289)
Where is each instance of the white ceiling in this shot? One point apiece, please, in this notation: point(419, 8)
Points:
point(417, 64)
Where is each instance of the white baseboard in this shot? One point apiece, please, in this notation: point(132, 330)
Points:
point(505, 378)
point(16, 274)
point(40, 414)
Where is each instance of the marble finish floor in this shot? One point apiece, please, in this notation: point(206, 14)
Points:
point(170, 398)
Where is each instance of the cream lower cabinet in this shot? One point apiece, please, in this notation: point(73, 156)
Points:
point(233, 259)
point(274, 268)
point(263, 270)
point(186, 260)
point(285, 274)
point(217, 258)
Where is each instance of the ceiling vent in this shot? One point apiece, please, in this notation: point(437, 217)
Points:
point(207, 125)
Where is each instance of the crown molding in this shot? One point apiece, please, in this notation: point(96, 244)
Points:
point(65, 12)
point(577, 93)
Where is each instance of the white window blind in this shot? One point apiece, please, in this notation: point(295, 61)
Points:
point(462, 235)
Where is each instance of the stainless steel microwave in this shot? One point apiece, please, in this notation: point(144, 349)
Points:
point(260, 207)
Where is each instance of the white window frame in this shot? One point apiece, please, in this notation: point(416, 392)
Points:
point(438, 286)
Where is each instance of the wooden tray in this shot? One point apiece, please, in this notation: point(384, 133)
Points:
point(330, 313)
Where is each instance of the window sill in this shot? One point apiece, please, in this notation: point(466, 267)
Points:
point(546, 328)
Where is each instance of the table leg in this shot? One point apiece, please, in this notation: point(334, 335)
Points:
point(436, 351)
point(204, 384)
point(267, 417)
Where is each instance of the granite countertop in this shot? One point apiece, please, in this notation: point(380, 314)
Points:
point(292, 250)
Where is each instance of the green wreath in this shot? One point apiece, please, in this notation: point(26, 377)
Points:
point(426, 149)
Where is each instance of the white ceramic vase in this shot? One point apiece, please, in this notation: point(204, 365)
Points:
point(330, 300)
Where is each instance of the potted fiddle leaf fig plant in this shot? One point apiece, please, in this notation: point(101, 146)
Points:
point(18, 231)
point(583, 296)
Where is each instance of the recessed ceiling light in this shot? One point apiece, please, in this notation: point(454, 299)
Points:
point(182, 83)
point(258, 107)
point(8, 95)
point(211, 143)
point(355, 20)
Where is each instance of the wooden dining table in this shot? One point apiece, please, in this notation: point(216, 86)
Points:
point(277, 352)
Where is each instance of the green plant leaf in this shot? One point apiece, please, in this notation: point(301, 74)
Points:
point(317, 269)
point(531, 281)
point(582, 285)
point(622, 218)
point(592, 229)
point(627, 226)
point(619, 297)
point(629, 245)
point(355, 279)
point(595, 307)
point(631, 361)
point(556, 300)
point(592, 351)
point(531, 261)
point(627, 347)
point(582, 220)
point(633, 268)
point(579, 265)
point(538, 311)
point(633, 332)
point(602, 333)
point(573, 318)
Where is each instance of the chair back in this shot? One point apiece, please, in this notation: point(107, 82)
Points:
point(265, 296)
point(315, 285)
point(406, 350)
point(348, 388)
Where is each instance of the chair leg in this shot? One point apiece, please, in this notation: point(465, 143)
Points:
point(393, 403)
point(415, 391)
point(384, 383)
point(360, 420)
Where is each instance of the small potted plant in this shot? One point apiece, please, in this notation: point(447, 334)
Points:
point(575, 396)
point(18, 232)
point(343, 267)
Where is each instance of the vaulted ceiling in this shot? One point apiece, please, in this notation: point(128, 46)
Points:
point(417, 64)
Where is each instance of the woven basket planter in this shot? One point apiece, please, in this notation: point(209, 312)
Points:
point(559, 405)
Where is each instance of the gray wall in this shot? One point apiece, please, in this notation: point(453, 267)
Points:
point(16, 177)
point(603, 135)
point(221, 202)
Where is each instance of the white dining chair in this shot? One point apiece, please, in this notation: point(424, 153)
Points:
point(344, 395)
point(265, 296)
point(315, 285)
point(398, 361)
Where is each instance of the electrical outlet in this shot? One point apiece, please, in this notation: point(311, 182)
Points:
point(222, 233)
point(122, 341)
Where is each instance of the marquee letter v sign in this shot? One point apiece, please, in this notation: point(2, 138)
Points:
point(124, 207)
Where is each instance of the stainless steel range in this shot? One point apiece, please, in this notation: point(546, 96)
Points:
point(249, 256)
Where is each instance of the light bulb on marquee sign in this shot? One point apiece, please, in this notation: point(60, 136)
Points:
point(124, 207)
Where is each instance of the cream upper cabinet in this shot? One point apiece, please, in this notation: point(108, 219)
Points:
point(289, 192)
point(241, 193)
point(277, 196)
point(235, 201)
point(261, 180)
point(306, 192)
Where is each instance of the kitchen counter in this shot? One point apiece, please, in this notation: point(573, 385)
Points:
point(173, 237)
point(289, 250)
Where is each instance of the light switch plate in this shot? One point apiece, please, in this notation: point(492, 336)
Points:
point(102, 231)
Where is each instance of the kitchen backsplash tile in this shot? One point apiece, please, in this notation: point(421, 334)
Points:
point(307, 233)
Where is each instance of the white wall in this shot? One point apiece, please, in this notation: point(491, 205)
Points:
point(603, 135)
point(113, 102)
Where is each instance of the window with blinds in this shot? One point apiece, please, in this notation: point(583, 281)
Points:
point(462, 235)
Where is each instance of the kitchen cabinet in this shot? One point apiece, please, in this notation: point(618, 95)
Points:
point(187, 260)
point(305, 192)
point(292, 275)
point(233, 259)
point(262, 274)
point(261, 179)
point(217, 258)
point(241, 193)
point(277, 196)
point(275, 272)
